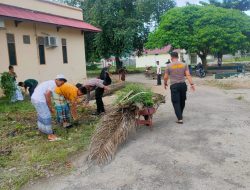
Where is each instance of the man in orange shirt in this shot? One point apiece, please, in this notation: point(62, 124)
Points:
point(65, 98)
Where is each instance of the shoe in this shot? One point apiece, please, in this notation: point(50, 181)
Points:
point(53, 137)
point(179, 122)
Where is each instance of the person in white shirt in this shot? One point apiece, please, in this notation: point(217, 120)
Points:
point(158, 72)
point(41, 100)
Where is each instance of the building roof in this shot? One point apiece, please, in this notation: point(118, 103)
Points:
point(157, 51)
point(21, 14)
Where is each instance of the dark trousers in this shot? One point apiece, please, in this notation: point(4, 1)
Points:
point(159, 79)
point(98, 97)
point(31, 90)
point(178, 97)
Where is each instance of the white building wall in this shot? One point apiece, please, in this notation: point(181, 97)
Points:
point(150, 60)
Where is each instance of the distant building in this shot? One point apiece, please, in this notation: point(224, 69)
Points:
point(41, 39)
point(150, 57)
point(162, 55)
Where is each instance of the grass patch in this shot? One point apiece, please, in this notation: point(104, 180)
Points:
point(238, 59)
point(26, 154)
point(240, 98)
point(130, 69)
point(219, 84)
point(229, 84)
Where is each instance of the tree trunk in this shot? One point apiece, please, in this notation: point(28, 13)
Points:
point(219, 57)
point(118, 63)
point(203, 59)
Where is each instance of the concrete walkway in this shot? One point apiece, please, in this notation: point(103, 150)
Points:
point(209, 151)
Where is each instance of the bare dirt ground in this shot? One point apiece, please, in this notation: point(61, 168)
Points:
point(209, 151)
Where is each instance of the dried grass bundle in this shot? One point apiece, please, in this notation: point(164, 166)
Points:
point(112, 131)
point(115, 127)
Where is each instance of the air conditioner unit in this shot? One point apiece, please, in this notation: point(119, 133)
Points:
point(2, 24)
point(51, 41)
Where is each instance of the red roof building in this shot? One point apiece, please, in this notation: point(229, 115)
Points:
point(42, 39)
point(158, 51)
point(21, 14)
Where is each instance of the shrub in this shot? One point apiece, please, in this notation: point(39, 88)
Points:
point(7, 84)
point(139, 94)
point(92, 67)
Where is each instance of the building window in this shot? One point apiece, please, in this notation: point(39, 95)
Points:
point(11, 49)
point(26, 39)
point(64, 51)
point(41, 50)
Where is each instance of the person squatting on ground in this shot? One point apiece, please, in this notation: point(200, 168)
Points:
point(29, 84)
point(41, 100)
point(66, 100)
point(158, 72)
point(177, 72)
point(99, 87)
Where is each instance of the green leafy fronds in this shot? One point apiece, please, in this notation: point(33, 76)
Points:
point(7, 84)
point(137, 95)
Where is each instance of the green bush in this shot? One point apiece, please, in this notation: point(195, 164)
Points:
point(8, 85)
point(138, 94)
point(91, 67)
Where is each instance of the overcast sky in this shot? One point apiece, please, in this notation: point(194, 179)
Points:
point(183, 3)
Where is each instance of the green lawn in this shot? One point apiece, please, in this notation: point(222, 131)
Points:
point(26, 154)
point(131, 70)
point(241, 59)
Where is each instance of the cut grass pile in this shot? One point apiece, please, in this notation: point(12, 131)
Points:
point(229, 84)
point(26, 154)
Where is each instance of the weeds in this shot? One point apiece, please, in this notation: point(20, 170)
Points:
point(25, 154)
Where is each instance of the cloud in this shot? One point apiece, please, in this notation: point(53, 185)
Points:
point(183, 2)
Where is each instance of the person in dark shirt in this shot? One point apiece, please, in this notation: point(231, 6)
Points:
point(29, 83)
point(105, 75)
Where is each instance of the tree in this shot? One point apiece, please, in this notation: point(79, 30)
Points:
point(125, 25)
point(242, 5)
point(203, 30)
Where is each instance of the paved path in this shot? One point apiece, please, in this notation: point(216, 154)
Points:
point(209, 151)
